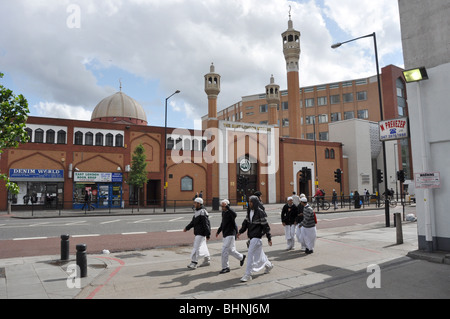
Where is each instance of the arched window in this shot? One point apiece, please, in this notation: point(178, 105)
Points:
point(170, 143)
point(195, 145)
point(109, 139)
point(29, 132)
point(39, 136)
point(187, 144)
point(50, 137)
point(99, 139)
point(332, 153)
point(187, 184)
point(327, 153)
point(89, 138)
point(61, 137)
point(119, 140)
point(78, 138)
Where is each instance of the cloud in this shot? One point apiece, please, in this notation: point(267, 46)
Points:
point(171, 44)
point(55, 110)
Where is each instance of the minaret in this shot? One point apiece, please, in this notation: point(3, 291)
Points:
point(291, 50)
point(273, 100)
point(212, 89)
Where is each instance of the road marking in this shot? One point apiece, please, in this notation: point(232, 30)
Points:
point(111, 221)
point(88, 235)
point(135, 233)
point(39, 224)
point(173, 230)
point(30, 238)
point(75, 223)
point(141, 220)
point(172, 220)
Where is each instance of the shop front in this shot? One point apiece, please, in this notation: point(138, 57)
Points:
point(103, 190)
point(38, 188)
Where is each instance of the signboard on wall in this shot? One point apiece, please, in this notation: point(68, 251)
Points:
point(393, 129)
point(427, 180)
point(97, 177)
point(20, 174)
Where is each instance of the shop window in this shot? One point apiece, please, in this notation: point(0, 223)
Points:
point(78, 138)
point(119, 140)
point(109, 139)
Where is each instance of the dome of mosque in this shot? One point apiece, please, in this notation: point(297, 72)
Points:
point(119, 108)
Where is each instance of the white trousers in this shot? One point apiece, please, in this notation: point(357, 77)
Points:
point(308, 237)
point(200, 249)
point(289, 233)
point(256, 258)
point(229, 248)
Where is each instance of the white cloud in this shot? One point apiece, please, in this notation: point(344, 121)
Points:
point(55, 110)
point(173, 42)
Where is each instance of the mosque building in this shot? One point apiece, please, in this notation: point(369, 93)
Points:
point(232, 156)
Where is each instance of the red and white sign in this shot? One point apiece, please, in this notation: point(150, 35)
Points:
point(428, 180)
point(393, 129)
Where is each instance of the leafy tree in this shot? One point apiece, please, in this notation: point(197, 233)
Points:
point(13, 118)
point(138, 173)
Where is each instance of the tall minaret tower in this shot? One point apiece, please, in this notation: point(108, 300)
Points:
point(291, 50)
point(273, 100)
point(212, 89)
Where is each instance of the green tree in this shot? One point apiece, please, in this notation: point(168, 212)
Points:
point(138, 173)
point(13, 118)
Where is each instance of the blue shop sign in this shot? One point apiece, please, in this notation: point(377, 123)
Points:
point(19, 174)
point(116, 177)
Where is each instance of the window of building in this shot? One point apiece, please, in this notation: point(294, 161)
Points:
point(332, 153)
point(323, 118)
point(78, 138)
point(349, 115)
point(310, 119)
point(39, 136)
point(323, 136)
point(89, 139)
point(50, 137)
point(309, 102)
point(263, 108)
point(361, 96)
point(363, 114)
point(195, 145)
point(335, 117)
point(335, 99)
point(61, 137)
point(187, 184)
point(187, 145)
point(119, 140)
point(30, 133)
point(327, 153)
point(285, 122)
point(310, 136)
point(322, 100)
point(347, 97)
point(99, 139)
point(285, 105)
point(401, 97)
point(170, 143)
point(109, 140)
point(264, 122)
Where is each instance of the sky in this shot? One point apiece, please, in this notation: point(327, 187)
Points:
point(65, 56)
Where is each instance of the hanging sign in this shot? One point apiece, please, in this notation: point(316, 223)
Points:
point(393, 129)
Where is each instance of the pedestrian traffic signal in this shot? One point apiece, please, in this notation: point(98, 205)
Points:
point(338, 176)
point(379, 176)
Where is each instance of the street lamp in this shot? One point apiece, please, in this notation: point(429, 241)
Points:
point(337, 45)
point(165, 150)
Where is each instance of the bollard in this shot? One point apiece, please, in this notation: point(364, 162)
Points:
point(82, 260)
point(398, 225)
point(64, 247)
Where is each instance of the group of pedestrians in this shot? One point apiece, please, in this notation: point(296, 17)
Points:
point(299, 221)
point(256, 225)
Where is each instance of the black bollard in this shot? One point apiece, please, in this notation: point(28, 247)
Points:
point(82, 260)
point(64, 247)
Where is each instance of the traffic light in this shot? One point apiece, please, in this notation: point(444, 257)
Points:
point(308, 174)
point(379, 176)
point(337, 176)
point(240, 185)
point(401, 176)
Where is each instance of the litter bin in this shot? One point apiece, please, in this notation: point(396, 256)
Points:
point(215, 203)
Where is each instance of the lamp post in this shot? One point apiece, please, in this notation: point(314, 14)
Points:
point(165, 150)
point(337, 45)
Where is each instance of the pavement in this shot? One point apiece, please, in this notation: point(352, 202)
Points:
point(359, 261)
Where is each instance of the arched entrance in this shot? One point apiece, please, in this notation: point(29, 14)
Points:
point(247, 177)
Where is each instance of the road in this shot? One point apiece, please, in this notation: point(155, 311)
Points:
point(34, 237)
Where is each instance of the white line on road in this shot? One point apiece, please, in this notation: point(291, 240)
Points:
point(135, 233)
point(173, 230)
point(75, 223)
point(39, 224)
point(141, 220)
point(111, 221)
point(88, 235)
point(30, 238)
point(172, 220)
